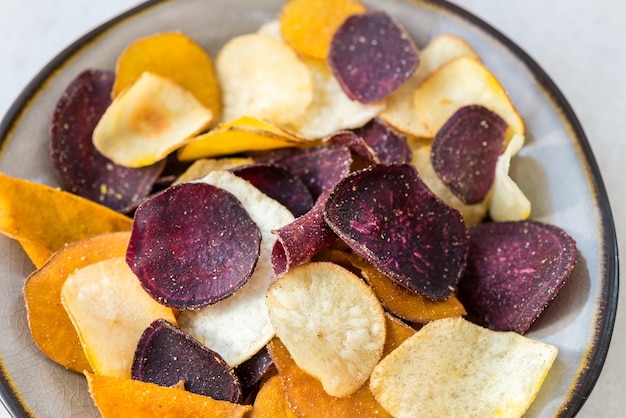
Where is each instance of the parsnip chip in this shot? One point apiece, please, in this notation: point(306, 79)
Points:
point(238, 327)
point(464, 81)
point(173, 55)
point(264, 78)
point(42, 295)
point(110, 311)
point(117, 397)
point(452, 367)
point(45, 219)
point(149, 120)
point(309, 25)
point(331, 323)
point(271, 401)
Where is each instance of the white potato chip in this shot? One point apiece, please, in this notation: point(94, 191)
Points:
point(263, 78)
point(149, 120)
point(453, 368)
point(271, 29)
point(239, 326)
point(110, 310)
point(204, 166)
point(331, 323)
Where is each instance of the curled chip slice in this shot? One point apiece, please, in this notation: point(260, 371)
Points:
point(371, 55)
point(263, 78)
point(388, 145)
point(173, 55)
point(81, 169)
point(202, 167)
point(239, 326)
point(387, 215)
point(193, 245)
point(150, 119)
point(165, 355)
point(109, 310)
point(331, 323)
point(452, 367)
point(514, 269)
point(465, 151)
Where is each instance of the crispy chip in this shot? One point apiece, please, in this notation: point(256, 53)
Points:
point(42, 294)
point(117, 397)
point(151, 118)
point(271, 401)
point(173, 55)
point(452, 367)
point(202, 167)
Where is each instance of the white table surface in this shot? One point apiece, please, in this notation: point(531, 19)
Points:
point(579, 43)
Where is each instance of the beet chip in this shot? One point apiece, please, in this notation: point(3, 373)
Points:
point(386, 214)
point(192, 245)
point(466, 149)
point(81, 169)
point(371, 55)
point(514, 269)
point(166, 355)
point(388, 145)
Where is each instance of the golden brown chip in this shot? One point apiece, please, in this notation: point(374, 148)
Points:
point(271, 401)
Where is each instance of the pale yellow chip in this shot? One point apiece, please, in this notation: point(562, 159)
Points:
point(400, 111)
point(263, 78)
point(201, 168)
point(149, 120)
point(110, 310)
point(508, 202)
point(239, 326)
point(331, 323)
point(460, 82)
point(453, 368)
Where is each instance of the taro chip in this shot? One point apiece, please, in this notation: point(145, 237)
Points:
point(514, 269)
point(81, 169)
point(465, 151)
point(193, 245)
point(279, 184)
point(253, 370)
point(166, 355)
point(387, 215)
point(331, 323)
point(452, 367)
point(371, 55)
point(388, 145)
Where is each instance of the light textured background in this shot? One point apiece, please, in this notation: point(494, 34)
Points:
point(579, 43)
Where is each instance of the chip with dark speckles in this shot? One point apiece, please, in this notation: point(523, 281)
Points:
point(465, 151)
point(371, 55)
point(388, 145)
point(81, 169)
point(193, 245)
point(514, 269)
point(251, 371)
point(386, 214)
point(166, 355)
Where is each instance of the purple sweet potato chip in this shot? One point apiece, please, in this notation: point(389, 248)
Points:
point(514, 269)
point(166, 355)
point(356, 143)
point(388, 145)
point(279, 184)
point(192, 245)
point(371, 55)
point(81, 169)
point(251, 371)
point(386, 214)
point(465, 151)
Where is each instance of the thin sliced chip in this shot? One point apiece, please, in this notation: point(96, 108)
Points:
point(173, 55)
point(38, 254)
point(387, 215)
point(514, 270)
point(42, 295)
point(239, 326)
point(193, 245)
point(452, 367)
point(371, 55)
point(48, 218)
point(388, 145)
point(150, 119)
point(255, 369)
point(110, 311)
point(308, 26)
point(460, 82)
point(202, 167)
point(263, 78)
point(117, 397)
point(271, 401)
point(331, 323)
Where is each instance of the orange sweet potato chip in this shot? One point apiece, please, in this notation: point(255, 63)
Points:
point(42, 294)
point(271, 401)
point(117, 397)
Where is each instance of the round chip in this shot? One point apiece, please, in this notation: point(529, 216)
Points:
point(331, 323)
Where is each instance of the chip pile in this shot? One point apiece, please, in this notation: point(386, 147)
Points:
point(311, 213)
